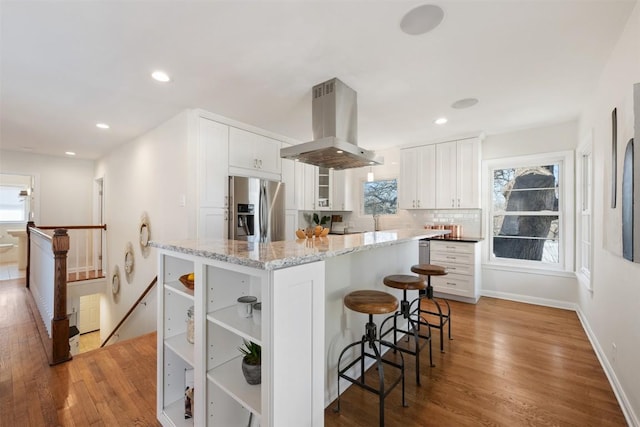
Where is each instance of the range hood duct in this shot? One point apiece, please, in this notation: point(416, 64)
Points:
point(335, 131)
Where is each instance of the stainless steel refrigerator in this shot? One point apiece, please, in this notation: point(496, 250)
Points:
point(257, 210)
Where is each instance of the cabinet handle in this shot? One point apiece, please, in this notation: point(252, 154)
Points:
point(414, 203)
point(451, 284)
point(451, 257)
point(450, 247)
point(260, 161)
point(458, 202)
point(255, 163)
point(226, 201)
point(453, 203)
point(418, 202)
point(226, 215)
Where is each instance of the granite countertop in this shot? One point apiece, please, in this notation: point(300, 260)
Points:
point(276, 255)
point(466, 239)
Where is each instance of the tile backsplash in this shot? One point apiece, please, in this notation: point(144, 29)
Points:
point(469, 219)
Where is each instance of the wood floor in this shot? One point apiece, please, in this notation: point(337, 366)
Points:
point(509, 364)
point(115, 386)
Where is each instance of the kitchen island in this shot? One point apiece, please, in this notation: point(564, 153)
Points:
point(303, 323)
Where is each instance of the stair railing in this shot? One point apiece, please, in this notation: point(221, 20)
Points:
point(133, 307)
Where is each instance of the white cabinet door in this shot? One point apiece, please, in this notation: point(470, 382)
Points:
point(251, 151)
point(213, 223)
point(446, 175)
point(341, 194)
point(324, 184)
point(289, 179)
point(213, 146)
point(309, 188)
point(468, 166)
point(291, 224)
point(426, 177)
point(408, 178)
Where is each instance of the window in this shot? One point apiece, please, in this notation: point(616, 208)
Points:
point(584, 214)
point(380, 197)
point(13, 203)
point(528, 221)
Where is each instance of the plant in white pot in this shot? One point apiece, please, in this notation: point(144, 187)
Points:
point(251, 362)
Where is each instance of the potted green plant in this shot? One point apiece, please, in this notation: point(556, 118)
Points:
point(251, 362)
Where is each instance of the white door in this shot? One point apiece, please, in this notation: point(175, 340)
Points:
point(89, 320)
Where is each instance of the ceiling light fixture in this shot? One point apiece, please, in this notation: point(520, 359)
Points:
point(464, 103)
point(440, 120)
point(102, 125)
point(69, 153)
point(161, 76)
point(421, 19)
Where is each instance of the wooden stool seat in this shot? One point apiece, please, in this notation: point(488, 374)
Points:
point(371, 302)
point(405, 281)
point(429, 270)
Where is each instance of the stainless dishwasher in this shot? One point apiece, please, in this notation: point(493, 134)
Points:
point(423, 251)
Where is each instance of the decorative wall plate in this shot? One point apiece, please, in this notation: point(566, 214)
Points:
point(128, 262)
point(145, 235)
point(115, 280)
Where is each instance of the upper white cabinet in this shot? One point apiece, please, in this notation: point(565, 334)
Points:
point(323, 189)
point(256, 153)
point(306, 186)
point(417, 189)
point(341, 197)
point(291, 186)
point(458, 174)
point(212, 179)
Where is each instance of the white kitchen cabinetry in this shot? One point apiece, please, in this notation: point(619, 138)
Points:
point(290, 308)
point(212, 178)
point(324, 185)
point(254, 154)
point(462, 260)
point(341, 197)
point(458, 174)
point(417, 187)
point(290, 184)
point(306, 178)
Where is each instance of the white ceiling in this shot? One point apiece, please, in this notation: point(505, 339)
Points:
point(67, 65)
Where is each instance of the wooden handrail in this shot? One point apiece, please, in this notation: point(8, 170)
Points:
point(72, 227)
point(133, 307)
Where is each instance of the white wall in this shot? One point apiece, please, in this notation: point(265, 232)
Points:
point(611, 310)
point(62, 193)
point(559, 290)
point(150, 174)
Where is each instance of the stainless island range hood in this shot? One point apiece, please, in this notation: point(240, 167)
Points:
point(335, 131)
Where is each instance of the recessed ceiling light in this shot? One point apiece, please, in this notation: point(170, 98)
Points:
point(69, 153)
point(422, 19)
point(440, 120)
point(464, 103)
point(161, 76)
point(102, 125)
point(339, 151)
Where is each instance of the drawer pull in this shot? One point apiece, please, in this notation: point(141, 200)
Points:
point(450, 247)
point(451, 257)
point(451, 284)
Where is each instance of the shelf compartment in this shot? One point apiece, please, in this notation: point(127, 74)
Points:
point(245, 327)
point(178, 288)
point(175, 413)
point(181, 347)
point(230, 379)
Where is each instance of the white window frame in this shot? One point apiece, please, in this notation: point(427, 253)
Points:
point(584, 213)
point(565, 213)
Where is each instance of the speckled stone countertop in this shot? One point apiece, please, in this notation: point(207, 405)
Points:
point(276, 255)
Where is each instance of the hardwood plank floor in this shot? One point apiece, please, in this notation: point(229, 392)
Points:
point(114, 386)
point(509, 364)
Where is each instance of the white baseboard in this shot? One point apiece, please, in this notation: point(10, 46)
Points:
point(530, 300)
point(627, 410)
point(623, 401)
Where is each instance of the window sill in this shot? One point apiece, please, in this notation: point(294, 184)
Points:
point(529, 270)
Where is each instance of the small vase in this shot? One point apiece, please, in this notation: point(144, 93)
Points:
point(252, 373)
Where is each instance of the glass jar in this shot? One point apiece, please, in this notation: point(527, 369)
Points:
point(190, 326)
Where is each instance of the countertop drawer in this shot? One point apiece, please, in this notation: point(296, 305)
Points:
point(455, 247)
point(454, 284)
point(453, 268)
point(451, 258)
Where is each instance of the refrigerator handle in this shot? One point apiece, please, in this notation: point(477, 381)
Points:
point(262, 211)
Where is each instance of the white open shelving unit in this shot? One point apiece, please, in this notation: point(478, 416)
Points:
point(222, 396)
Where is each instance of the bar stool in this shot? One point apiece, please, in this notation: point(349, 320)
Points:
point(444, 318)
point(371, 302)
point(407, 283)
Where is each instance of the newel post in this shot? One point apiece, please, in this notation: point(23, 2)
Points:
point(29, 225)
point(60, 322)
